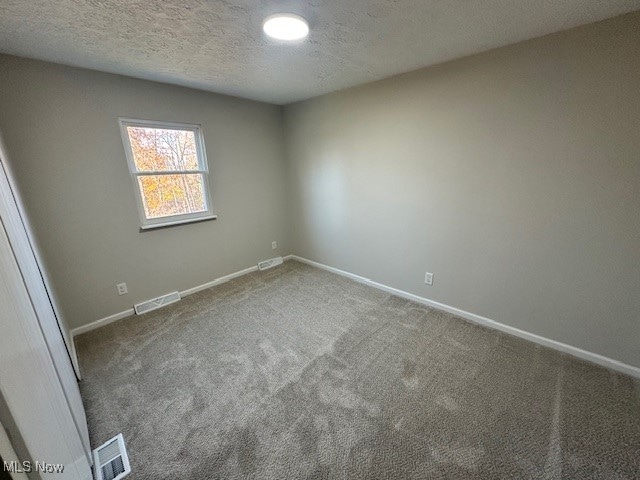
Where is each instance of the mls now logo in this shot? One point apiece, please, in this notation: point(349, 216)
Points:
point(28, 467)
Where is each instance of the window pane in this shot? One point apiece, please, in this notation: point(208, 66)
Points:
point(166, 195)
point(163, 149)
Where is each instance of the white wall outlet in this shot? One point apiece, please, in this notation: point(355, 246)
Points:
point(428, 278)
point(274, 245)
point(122, 289)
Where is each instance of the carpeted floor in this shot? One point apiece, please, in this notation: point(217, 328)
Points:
point(297, 373)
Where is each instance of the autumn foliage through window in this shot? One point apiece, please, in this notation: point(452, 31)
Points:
point(170, 175)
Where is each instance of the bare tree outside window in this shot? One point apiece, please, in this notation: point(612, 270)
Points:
point(168, 169)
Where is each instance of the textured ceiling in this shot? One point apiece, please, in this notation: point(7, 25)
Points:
point(218, 45)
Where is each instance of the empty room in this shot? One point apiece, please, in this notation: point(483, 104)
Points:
point(286, 239)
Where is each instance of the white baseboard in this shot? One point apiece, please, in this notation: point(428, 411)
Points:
point(74, 357)
point(480, 320)
point(102, 322)
point(218, 281)
point(130, 311)
point(547, 342)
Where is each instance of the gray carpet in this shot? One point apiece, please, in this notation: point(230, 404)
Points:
point(297, 373)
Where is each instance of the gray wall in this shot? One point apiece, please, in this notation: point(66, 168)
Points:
point(61, 132)
point(513, 175)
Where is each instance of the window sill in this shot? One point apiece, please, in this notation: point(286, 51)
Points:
point(174, 223)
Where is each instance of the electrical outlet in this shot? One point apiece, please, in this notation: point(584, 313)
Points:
point(428, 278)
point(274, 245)
point(122, 289)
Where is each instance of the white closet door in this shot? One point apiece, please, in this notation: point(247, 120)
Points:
point(29, 381)
point(21, 236)
point(43, 303)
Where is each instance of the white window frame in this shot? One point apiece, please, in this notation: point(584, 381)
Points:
point(150, 223)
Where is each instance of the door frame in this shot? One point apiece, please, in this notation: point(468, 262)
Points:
point(22, 238)
point(13, 221)
point(36, 402)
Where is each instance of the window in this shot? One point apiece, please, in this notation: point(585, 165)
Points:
point(169, 169)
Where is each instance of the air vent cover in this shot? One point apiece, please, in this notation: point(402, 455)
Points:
point(111, 461)
point(155, 303)
point(272, 262)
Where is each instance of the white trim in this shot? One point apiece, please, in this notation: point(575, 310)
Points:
point(178, 222)
point(145, 122)
point(130, 311)
point(179, 219)
point(34, 276)
point(8, 455)
point(11, 195)
point(487, 322)
point(42, 409)
point(532, 337)
point(218, 281)
point(101, 322)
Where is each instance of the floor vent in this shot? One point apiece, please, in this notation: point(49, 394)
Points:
point(272, 262)
point(155, 303)
point(111, 461)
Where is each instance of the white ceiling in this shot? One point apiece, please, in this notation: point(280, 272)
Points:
point(218, 45)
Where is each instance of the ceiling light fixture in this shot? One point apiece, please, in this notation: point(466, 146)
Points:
point(286, 26)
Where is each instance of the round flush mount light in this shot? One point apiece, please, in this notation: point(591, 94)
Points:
point(286, 26)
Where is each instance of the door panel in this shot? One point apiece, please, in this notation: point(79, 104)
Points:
point(29, 382)
point(43, 303)
point(31, 273)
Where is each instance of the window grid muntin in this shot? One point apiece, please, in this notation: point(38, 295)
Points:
point(202, 163)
